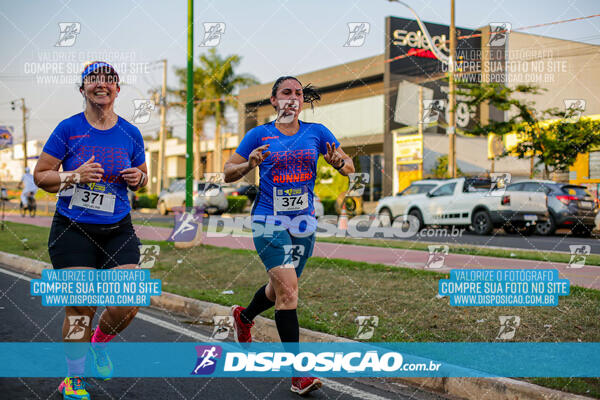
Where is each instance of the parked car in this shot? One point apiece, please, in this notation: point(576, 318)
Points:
point(569, 206)
point(250, 191)
point(469, 201)
point(231, 188)
point(211, 197)
point(393, 206)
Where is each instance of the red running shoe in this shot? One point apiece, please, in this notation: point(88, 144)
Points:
point(303, 386)
point(242, 329)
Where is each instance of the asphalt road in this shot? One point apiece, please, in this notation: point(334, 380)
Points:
point(559, 242)
point(24, 319)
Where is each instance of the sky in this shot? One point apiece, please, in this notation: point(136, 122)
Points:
point(273, 38)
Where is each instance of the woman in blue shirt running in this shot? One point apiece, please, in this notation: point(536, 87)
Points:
point(287, 151)
point(101, 155)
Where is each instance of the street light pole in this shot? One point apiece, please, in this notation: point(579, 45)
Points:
point(163, 130)
point(450, 60)
point(452, 97)
point(24, 109)
point(189, 156)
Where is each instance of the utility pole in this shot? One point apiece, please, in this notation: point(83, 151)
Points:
point(162, 176)
point(420, 131)
point(452, 97)
point(217, 153)
point(24, 110)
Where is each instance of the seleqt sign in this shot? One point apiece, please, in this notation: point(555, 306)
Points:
point(404, 37)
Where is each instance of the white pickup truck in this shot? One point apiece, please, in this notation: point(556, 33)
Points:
point(469, 201)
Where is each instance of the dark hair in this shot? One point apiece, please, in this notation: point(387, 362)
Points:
point(311, 93)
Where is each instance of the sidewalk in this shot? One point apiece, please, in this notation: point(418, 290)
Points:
point(588, 276)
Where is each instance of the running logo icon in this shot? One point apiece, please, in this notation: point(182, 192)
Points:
point(366, 326)
point(68, 33)
point(508, 327)
point(212, 34)
point(357, 34)
point(148, 255)
point(293, 254)
point(579, 252)
point(499, 33)
point(142, 110)
point(77, 326)
point(432, 109)
point(574, 109)
point(68, 180)
point(437, 255)
point(213, 182)
point(287, 110)
point(499, 182)
point(223, 325)
point(357, 184)
point(207, 359)
point(186, 226)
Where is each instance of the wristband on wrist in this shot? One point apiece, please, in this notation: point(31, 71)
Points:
point(142, 179)
point(341, 165)
point(140, 183)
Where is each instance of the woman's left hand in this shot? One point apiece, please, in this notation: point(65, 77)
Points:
point(132, 176)
point(333, 157)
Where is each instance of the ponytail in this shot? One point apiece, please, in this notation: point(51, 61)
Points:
point(311, 93)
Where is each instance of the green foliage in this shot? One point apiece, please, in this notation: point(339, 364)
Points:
point(215, 78)
point(236, 204)
point(440, 169)
point(556, 143)
point(328, 206)
point(147, 201)
point(329, 189)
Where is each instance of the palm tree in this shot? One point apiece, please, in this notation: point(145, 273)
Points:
point(215, 83)
point(200, 109)
point(221, 82)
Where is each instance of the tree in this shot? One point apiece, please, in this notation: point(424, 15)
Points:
point(440, 169)
point(201, 111)
point(556, 143)
point(215, 83)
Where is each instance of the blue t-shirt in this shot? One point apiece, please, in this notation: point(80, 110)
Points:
point(292, 163)
point(74, 141)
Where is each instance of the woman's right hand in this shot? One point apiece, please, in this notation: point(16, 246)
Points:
point(89, 171)
point(257, 156)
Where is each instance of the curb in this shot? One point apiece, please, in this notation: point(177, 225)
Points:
point(265, 330)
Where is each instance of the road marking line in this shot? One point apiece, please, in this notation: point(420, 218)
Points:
point(331, 384)
point(349, 390)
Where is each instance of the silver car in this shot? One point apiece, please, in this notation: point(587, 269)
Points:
point(394, 206)
point(211, 197)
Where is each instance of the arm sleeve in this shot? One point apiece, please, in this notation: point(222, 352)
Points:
point(247, 144)
point(57, 144)
point(138, 155)
point(327, 137)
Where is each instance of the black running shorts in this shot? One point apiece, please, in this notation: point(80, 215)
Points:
point(101, 246)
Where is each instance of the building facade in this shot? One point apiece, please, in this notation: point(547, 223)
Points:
point(372, 104)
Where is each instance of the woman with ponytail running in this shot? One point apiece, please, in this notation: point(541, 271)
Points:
point(284, 224)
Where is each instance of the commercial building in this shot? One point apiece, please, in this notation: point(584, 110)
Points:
point(372, 104)
point(175, 165)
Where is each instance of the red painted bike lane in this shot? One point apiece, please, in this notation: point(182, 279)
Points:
point(587, 276)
